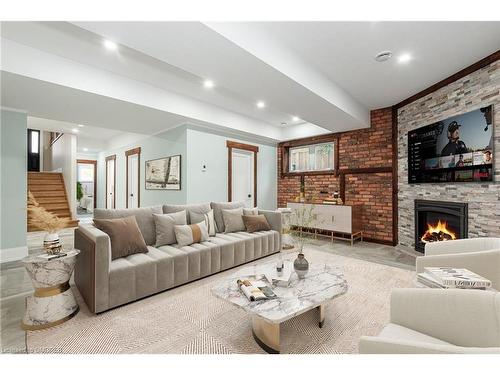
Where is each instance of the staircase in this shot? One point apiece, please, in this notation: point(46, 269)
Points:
point(49, 191)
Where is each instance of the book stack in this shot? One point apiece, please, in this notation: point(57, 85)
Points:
point(256, 290)
point(447, 277)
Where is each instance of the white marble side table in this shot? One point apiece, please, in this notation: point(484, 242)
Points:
point(53, 302)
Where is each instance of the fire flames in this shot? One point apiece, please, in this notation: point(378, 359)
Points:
point(438, 232)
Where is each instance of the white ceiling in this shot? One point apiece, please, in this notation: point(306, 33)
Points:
point(323, 72)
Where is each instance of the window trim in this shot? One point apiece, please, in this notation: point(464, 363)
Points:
point(284, 150)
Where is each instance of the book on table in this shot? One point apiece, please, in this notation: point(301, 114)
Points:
point(256, 290)
point(448, 277)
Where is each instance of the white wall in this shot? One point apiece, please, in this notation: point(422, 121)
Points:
point(209, 148)
point(64, 160)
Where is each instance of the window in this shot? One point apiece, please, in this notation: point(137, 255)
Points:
point(317, 157)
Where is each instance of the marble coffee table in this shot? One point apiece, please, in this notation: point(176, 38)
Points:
point(321, 284)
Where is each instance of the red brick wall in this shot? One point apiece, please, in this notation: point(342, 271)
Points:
point(366, 148)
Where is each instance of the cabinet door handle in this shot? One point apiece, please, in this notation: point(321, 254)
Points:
point(333, 218)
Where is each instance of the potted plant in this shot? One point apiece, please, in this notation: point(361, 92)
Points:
point(302, 217)
point(48, 222)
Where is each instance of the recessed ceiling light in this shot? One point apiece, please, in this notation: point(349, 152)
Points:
point(85, 149)
point(75, 130)
point(284, 124)
point(404, 58)
point(208, 84)
point(80, 125)
point(112, 46)
point(383, 56)
point(295, 118)
point(260, 104)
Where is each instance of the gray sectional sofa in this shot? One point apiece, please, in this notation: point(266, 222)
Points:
point(106, 283)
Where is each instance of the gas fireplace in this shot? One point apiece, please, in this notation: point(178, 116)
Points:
point(439, 221)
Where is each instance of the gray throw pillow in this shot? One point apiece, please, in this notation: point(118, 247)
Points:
point(251, 211)
point(197, 208)
point(218, 207)
point(165, 223)
point(233, 220)
point(207, 218)
point(189, 234)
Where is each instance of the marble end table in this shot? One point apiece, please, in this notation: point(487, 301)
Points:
point(53, 302)
point(321, 284)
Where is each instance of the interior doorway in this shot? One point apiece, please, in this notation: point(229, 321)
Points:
point(86, 190)
point(33, 150)
point(133, 177)
point(242, 173)
point(111, 181)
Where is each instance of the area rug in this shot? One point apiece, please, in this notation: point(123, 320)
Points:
point(190, 320)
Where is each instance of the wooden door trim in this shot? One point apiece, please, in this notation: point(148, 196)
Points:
point(94, 162)
point(111, 157)
point(134, 151)
point(240, 146)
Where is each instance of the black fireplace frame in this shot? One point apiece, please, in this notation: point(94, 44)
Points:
point(451, 208)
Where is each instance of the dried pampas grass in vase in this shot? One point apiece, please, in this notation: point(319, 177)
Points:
point(48, 222)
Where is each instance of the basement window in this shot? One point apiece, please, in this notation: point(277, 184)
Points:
point(317, 157)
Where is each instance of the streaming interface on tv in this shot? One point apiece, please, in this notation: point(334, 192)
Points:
point(458, 149)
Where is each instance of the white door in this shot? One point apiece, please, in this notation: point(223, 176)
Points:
point(110, 183)
point(133, 181)
point(242, 177)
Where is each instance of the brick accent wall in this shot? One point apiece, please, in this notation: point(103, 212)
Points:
point(366, 148)
point(478, 89)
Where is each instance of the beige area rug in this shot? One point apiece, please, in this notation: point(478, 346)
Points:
point(190, 320)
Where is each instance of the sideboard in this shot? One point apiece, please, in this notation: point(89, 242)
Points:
point(343, 222)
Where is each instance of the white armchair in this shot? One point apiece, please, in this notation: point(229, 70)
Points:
point(480, 255)
point(437, 321)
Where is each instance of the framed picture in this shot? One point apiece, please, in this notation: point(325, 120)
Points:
point(164, 173)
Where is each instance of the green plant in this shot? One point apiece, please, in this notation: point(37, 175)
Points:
point(79, 190)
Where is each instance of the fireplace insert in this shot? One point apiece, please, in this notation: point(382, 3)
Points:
point(439, 221)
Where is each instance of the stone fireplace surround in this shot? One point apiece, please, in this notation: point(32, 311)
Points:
point(478, 89)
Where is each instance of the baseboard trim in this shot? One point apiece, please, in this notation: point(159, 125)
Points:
point(376, 240)
point(13, 254)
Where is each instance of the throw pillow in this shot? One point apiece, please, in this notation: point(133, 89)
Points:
point(198, 208)
point(165, 223)
point(207, 218)
point(251, 211)
point(233, 221)
point(255, 223)
point(218, 207)
point(189, 234)
point(124, 234)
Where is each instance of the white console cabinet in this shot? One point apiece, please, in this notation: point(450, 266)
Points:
point(342, 221)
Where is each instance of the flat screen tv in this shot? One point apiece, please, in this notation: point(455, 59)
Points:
point(458, 149)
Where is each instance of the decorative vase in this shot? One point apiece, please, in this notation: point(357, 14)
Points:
point(301, 266)
point(52, 243)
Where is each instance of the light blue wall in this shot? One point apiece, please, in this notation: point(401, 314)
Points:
point(13, 133)
point(197, 148)
point(166, 144)
point(209, 148)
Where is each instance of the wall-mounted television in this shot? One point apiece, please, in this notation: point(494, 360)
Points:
point(458, 149)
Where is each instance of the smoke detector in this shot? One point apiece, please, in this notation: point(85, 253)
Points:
point(383, 56)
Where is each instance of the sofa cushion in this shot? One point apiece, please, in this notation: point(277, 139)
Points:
point(124, 235)
point(233, 220)
point(218, 207)
point(193, 233)
point(197, 208)
point(207, 218)
point(164, 224)
point(395, 331)
point(143, 216)
point(251, 211)
point(255, 223)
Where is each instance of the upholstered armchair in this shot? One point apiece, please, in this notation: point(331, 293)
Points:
point(479, 255)
point(437, 321)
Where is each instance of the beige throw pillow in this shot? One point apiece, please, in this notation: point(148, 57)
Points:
point(251, 211)
point(207, 218)
point(255, 223)
point(233, 221)
point(189, 234)
point(165, 223)
point(124, 234)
